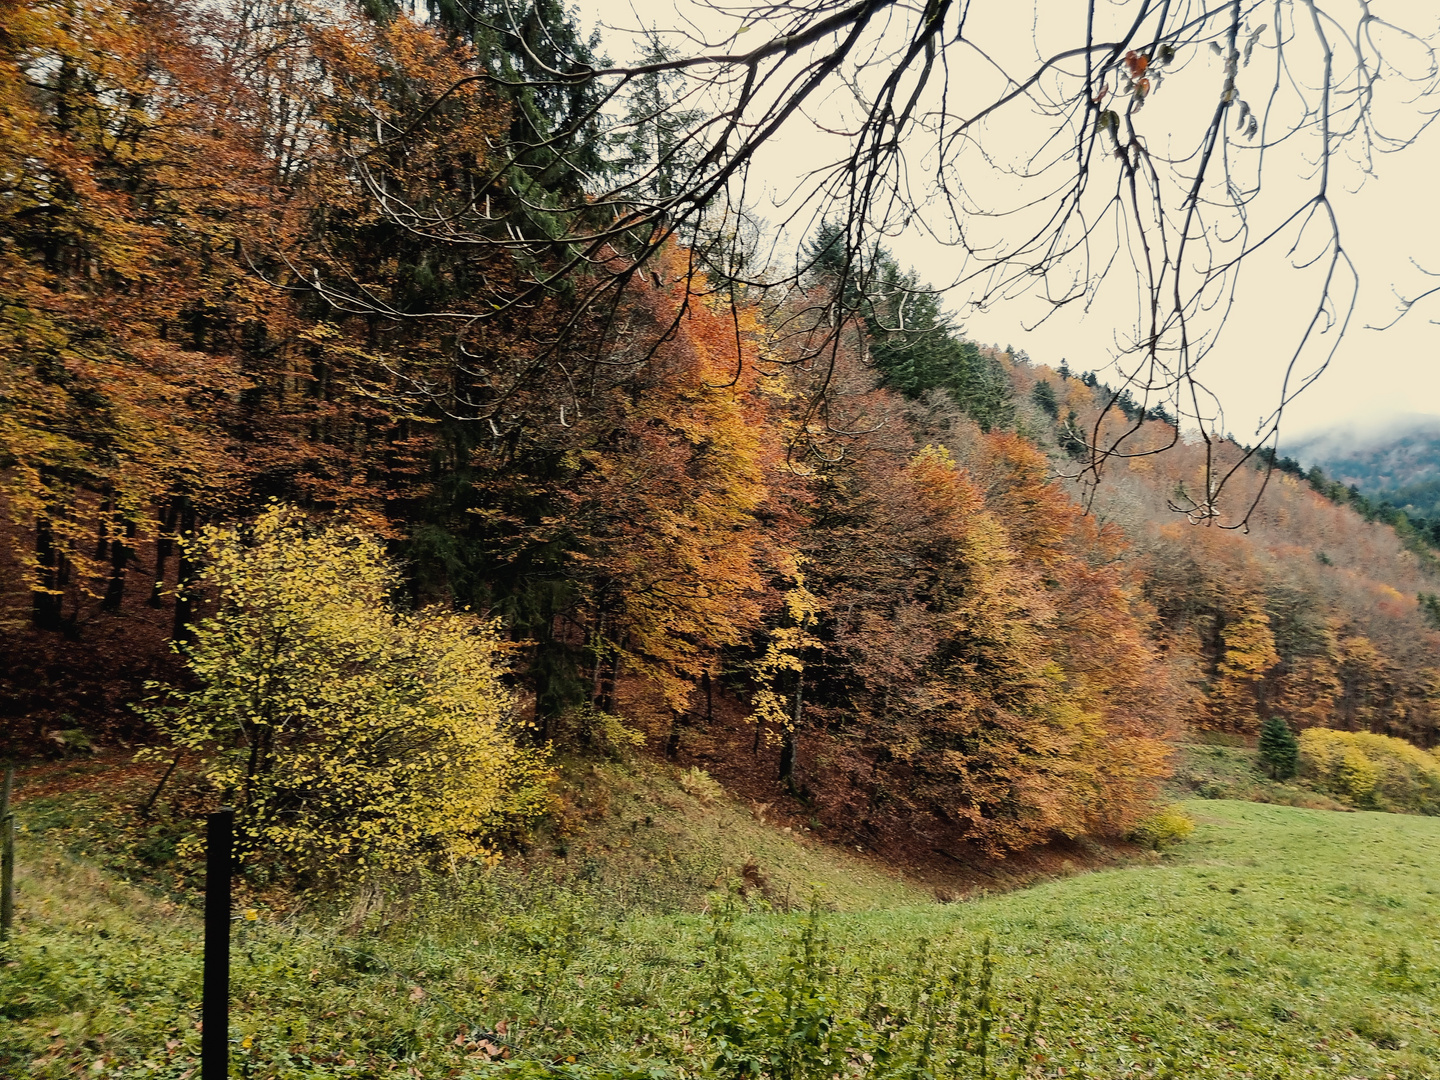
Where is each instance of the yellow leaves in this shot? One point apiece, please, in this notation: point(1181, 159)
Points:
point(1371, 770)
point(355, 734)
point(1248, 654)
point(784, 651)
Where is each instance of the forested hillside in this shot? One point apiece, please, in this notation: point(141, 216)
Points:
point(1396, 462)
point(849, 557)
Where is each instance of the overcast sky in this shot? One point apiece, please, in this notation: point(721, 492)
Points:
point(1391, 219)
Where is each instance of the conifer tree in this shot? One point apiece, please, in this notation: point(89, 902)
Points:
point(913, 342)
point(1279, 751)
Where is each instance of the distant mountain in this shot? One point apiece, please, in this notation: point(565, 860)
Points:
point(1396, 460)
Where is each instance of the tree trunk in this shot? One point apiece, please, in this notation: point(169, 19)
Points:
point(163, 546)
point(599, 649)
point(102, 530)
point(46, 596)
point(672, 744)
point(787, 742)
point(607, 683)
point(120, 553)
point(185, 572)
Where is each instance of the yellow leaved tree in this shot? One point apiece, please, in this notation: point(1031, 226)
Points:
point(1248, 654)
point(349, 735)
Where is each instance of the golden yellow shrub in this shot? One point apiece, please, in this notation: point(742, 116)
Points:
point(347, 734)
point(1166, 826)
point(1371, 771)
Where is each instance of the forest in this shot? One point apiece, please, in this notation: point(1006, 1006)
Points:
point(627, 657)
point(255, 434)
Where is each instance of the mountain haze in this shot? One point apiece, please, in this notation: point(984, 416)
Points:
point(1396, 459)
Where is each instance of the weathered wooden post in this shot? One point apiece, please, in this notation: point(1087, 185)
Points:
point(7, 855)
point(215, 1004)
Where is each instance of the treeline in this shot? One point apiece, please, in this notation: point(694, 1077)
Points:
point(221, 287)
point(1317, 613)
point(1420, 532)
point(212, 301)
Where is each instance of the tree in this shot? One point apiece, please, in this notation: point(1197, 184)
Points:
point(1247, 653)
point(651, 145)
point(1279, 750)
point(911, 340)
point(1043, 394)
point(348, 734)
point(1076, 188)
point(123, 183)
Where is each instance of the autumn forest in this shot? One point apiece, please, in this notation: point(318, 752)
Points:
point(665, 510)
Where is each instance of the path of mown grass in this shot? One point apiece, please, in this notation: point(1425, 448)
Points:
point(1278, 942)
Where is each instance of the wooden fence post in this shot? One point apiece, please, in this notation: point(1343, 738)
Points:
point(7, 855)
point(215, 1004)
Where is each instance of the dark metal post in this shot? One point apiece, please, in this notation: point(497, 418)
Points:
point(215, 1005)
point(7, 855)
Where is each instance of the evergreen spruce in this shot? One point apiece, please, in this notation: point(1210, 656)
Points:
point(915, 344)
point(1279, 752)
point(1043, 395)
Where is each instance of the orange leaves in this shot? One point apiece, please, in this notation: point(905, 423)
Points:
point(946, 492)
point(1039, 515)
point(122, 180)
point(994, 654)
point(1136, 66)
point(675, 461)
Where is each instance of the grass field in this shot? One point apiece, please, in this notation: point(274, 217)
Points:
point(1277, 942)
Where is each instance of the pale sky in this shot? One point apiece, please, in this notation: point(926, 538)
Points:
point(1391, 219)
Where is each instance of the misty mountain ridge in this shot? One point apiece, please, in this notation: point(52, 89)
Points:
point(1395, 458)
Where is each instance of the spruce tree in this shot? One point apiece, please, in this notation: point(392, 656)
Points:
point(1043, 394)
point(915, 343)
point(1279, 752)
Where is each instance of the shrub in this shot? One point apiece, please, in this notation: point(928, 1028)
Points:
point(347, 734)
point(797, 1015)
point(701, 785)
point(1371, 771)
point(1168, 825)
point(597, 730)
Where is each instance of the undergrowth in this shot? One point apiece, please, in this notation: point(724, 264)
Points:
point(470, 976)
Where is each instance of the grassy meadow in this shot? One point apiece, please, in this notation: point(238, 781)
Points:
point(1277, 942)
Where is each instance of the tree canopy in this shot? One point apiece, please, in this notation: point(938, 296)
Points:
point(1052, 147)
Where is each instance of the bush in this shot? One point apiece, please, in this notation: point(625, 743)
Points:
point(699, 784)
point(1369, 771)
point(798, 1016)
point(1163, 828)
point(346, 733)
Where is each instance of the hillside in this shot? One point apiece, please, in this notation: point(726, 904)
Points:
point(632, 651)
point(1277, 941)
point(395, 587)
point(1396, 455)
point(1395, 464)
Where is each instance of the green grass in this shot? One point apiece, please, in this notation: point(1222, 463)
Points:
point(1278, 942)
point(1231, 770)
point(637, 835)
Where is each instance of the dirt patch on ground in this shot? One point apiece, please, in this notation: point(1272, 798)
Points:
point(105, 771)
